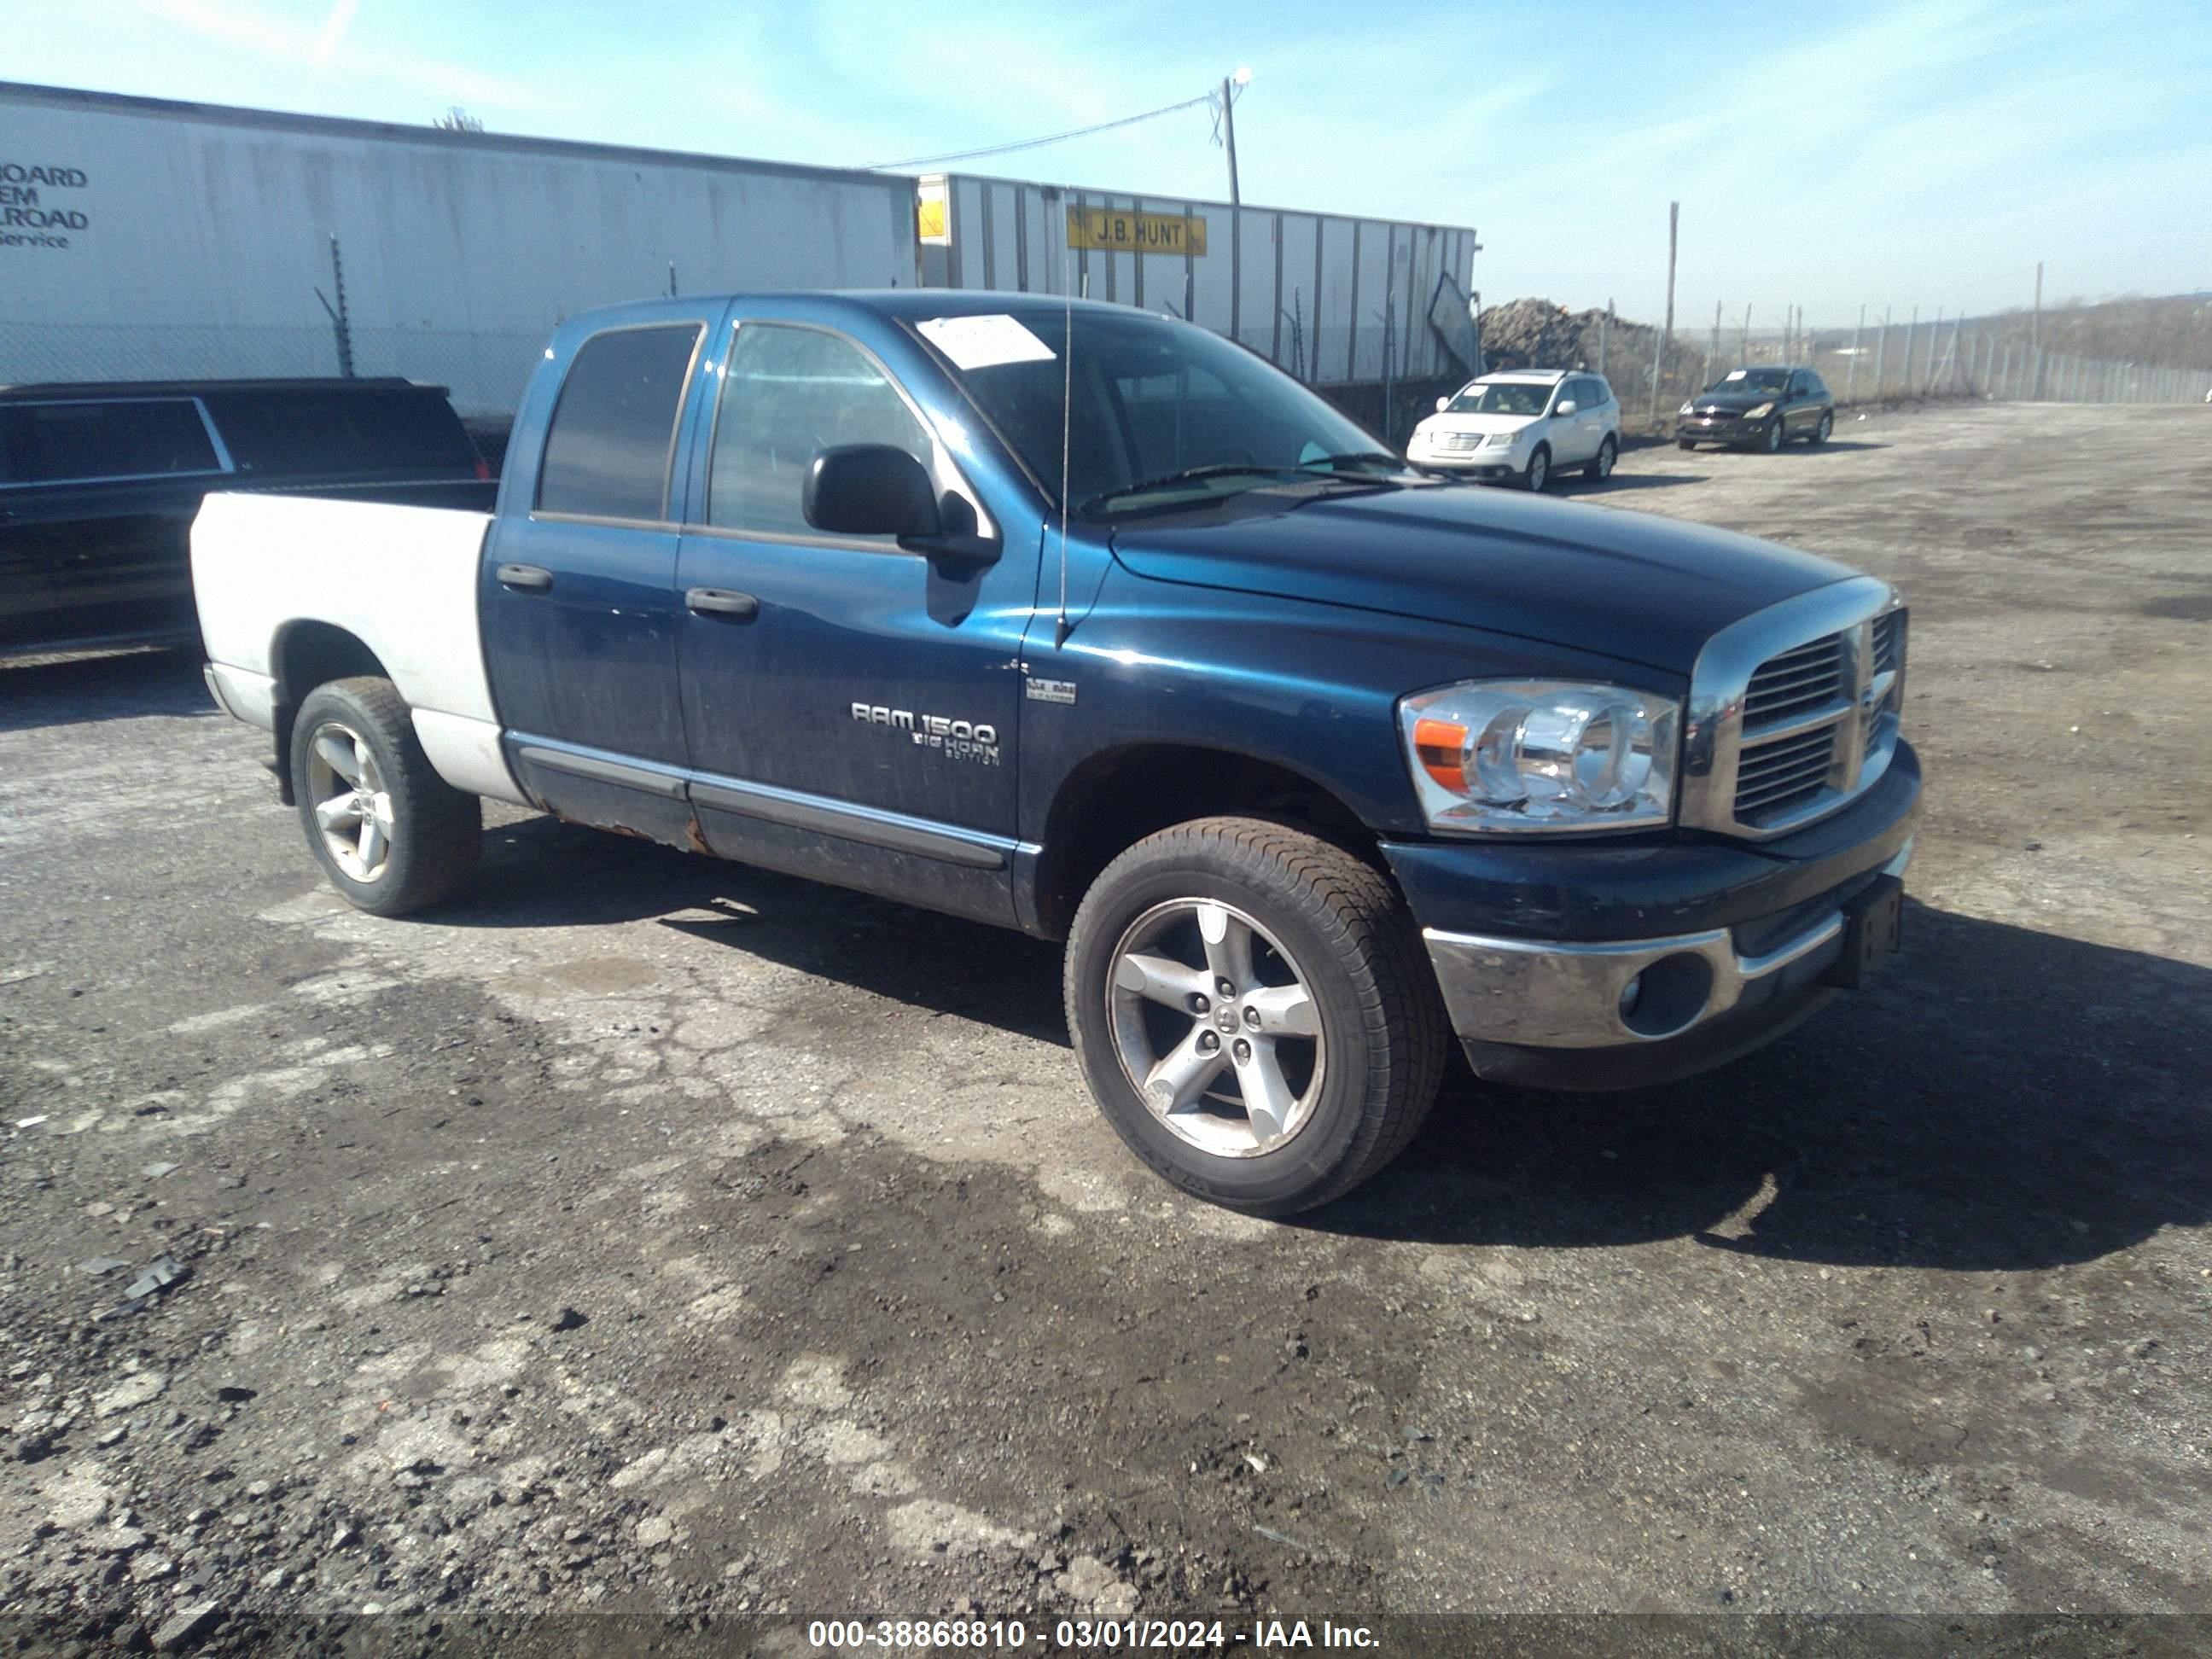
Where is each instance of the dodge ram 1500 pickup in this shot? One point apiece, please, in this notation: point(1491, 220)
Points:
point(1085, 621)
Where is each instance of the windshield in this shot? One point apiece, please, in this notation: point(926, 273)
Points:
point(1501, 398)
point(1154, 401)
point(1752, 380)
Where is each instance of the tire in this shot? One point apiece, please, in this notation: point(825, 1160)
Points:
point(1601, 466)
point(1771, 438)
point(1326, 943)
point(357, 762)
point(1820, 433)
point(1538, 473)
point(1684, 443)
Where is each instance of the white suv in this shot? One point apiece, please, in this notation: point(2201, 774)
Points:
point(1523, 425)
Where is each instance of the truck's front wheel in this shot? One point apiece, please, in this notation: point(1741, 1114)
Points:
point(392, 835)
point(1253, 1011)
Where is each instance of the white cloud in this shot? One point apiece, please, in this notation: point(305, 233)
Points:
point(334, 29)
point(328, 47)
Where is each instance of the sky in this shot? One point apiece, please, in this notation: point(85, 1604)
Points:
point(1826, 157)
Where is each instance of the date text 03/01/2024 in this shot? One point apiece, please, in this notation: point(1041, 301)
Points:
point(1086, 1634)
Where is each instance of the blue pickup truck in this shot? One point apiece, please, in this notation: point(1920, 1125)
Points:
point(1087, 623)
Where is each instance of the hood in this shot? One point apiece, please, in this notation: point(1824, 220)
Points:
point(1485, 424)
point(1631, 586)
point(1733, 401)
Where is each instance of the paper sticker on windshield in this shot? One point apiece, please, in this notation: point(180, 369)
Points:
point(1733, 374)
point(984, 342)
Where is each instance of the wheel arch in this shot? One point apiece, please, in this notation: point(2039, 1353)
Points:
point(304, 655)
point(1115, 798)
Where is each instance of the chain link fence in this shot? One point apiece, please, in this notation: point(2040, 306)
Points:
point(1869, 363)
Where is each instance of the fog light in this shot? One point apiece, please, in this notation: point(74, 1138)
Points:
point(1631, 995)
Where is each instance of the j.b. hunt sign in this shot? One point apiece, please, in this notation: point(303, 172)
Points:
point(36, 204)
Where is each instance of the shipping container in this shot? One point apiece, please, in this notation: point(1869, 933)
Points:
point(143, 239)
point(1335, 299)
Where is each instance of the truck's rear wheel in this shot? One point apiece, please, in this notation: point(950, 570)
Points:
point(1254, 1013)
point(392, 835)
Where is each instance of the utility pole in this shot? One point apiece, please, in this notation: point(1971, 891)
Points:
point(1743, 340)
point(1935, 339)
point(2035, 335)
point(1236, 206)
point(1851, 374)
point(1667, 335)
point(1713, 355)
point(1881, 355)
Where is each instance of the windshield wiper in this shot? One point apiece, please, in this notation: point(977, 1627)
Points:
point(1352, 458)
point(1189, 475)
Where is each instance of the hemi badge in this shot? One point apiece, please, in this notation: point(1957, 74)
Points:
point(1049, 690)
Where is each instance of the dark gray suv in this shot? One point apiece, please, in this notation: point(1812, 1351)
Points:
point(1760, 408)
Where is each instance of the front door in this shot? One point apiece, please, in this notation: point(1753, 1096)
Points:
point(850, 705)
point(578, 589)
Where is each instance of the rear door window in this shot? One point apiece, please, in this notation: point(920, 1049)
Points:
point(613, 434)
point(85, 440)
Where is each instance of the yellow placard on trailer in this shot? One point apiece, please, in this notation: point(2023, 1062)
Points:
point(1110, 230)
point(931, 221)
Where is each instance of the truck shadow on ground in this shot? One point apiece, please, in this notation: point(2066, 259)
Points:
point(106, 686)
point(2000, 1100)
point(1620, 483)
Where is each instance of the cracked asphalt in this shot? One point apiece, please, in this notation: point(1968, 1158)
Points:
point(651, 1235)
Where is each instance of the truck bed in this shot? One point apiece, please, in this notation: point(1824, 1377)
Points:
point(400, 580)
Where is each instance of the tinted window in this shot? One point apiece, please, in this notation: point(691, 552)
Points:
point(606, 455)
point(124, 438)
point(1600, 393)
point(1816, 386)
point(788, 394)
point(296, 432)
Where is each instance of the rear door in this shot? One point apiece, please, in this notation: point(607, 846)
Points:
point(96, 498)
point(850, 705)
point(577, 595)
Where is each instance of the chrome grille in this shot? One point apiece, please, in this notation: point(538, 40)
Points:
point(1456, 443)
point(1795, 683)
point(1793, 710)
point(1888, 632)
point(1780, 775)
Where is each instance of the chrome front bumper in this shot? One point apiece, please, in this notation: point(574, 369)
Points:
point(1545, 994)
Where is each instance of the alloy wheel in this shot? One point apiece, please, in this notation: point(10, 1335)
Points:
point(1216, 1028)
point(353, 807)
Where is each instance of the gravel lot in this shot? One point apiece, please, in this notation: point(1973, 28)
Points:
point(656, 1234)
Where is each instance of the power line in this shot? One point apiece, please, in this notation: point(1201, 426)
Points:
point(1057, 137)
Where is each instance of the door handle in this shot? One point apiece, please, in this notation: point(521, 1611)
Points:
point(721, 602)
point(528, 578)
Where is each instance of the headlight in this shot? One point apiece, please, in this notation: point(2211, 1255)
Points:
point(1503, 440)
point(1684, 409)
point(1754, 414)
point(1535, 754)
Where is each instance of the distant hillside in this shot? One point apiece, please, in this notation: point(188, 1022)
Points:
point(2171, 332)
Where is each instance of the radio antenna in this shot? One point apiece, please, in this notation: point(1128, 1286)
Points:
point(1066, 428)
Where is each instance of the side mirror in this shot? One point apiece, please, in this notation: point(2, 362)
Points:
point(870, 489)
point(1442, 403)
point(1566, 406)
